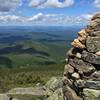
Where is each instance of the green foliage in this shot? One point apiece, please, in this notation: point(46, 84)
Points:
point(27, 68)
point(25, 78)
point(24, 56)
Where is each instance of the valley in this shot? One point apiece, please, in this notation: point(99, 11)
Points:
point(32, 54)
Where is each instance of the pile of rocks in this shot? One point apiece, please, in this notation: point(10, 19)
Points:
point(82, 73)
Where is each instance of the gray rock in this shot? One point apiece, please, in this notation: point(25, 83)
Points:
point(96, 74)
point(75, 76)
point(70, 94)
point(87, 84)
point(54, 89)
point(80, 83)
point(67, 81)
point(57, 95)
point(82, 66)
point(91, 58)
point(74, 52)
point(93, 44)
point(92, 85)
point(15, 99)
point(94, 24)
point(68, 70)
point(78, 44)
point(54, 83)
point(94, 33)
point(36, 91)
point(78, 55)
point(91, 94)
point(97, 16)
point(4, 97)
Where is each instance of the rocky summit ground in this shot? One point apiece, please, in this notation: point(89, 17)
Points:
point(51, 91)
point(82, 73)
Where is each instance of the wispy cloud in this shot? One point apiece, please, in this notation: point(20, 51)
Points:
point(7, 5)
point(97, 3)
point(41, 18)
point(51, 3)
point(11, 19)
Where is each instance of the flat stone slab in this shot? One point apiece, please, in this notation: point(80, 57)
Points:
point(81, 66)
point(91, 58)
point(93, 85)
point(96, 16)
point(88, 84)
point(93, 44)
point(91, 94)
point(38, 91)
point(4, 97)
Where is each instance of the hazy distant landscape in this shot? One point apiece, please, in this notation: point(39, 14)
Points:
point(32, 54)
point(31, 46)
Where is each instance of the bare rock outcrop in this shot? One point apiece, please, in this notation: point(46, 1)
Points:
point(81, 80)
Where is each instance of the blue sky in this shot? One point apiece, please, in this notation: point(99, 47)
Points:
point(63, 12)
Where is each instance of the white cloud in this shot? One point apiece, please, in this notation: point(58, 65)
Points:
point(48, 19)
point(51, 3)
point(38, 17)
point(60, 19)
point(11, 18)
point(36, 3)
point(97, 3)
point(87, 16)
point(7, 5)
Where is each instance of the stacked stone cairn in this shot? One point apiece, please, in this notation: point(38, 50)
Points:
point(82, 73)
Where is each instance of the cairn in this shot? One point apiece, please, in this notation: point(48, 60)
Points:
point(82, 73)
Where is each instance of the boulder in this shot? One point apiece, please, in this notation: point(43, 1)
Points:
point(93, 44)
point(78, 55)
point(68, 70)
point(57, 95)
point(98, 53)
point(70, 94)
point(82, 33)
point(91, 58)
point(74, 52)
point(94, 33)
point(95, 23)
point(79, 83)
point(54, 89)
point(67, 81)
point(77, 44)
point(91, 94)
point(97, 16)
point(82, 39)
point(75, 76)
point(54, 83)
point(87, 84)
point(92, 85)
point(82, 66)
point(4, 97)
point(36, 91)
point(96, 74)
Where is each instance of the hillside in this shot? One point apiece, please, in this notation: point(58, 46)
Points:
point(31, 47)
point(32, 54)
